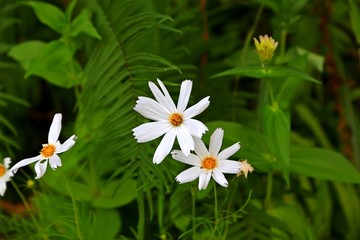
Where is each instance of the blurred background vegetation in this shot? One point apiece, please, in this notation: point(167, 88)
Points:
point(91, 59)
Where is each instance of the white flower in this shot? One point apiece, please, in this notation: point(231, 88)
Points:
point(245, 168)
point(5, 175)
point(174, 122)
point(49, 151)
point(207, 164)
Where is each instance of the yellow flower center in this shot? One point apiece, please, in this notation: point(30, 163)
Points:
point(2, 170)
point(176, 119)
point(48, 150)
point(209, 163)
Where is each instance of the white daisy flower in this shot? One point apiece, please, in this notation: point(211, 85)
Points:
point(49, 151)
point(5, 175)
point(173, 121)
point(207, 164)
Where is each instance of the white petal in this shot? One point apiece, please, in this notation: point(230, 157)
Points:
point(55, 161)
point(165, 146)
point(7, 162)
point(195, 127)
point(55, 129)
point(219, 178)
point(216, 142)
point(2, 188)
point(159, 96)
point(192, 159)
point(40, 168)
point(197, 108)
point(200, 148)
point(184, 96)
point(186, 141)
point(150, 131)
point(229, 166)
point(25, 162)
point(188, 175)
point(66, 145)
point(151, 109)
point(167, 96)
point(204, 179)
point(227, 152)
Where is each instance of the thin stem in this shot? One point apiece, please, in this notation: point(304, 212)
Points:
point(141, 223)
point(269, 186)
point(283, 44)
point(193, 211)
point(76, 217)
point(23, 199)
point(216, 214)
point(248, 38)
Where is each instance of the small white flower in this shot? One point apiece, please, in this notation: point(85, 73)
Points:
point(207, 164)
point(5, 175)
point(245, 169)
point(174, 122)
point(49, 151)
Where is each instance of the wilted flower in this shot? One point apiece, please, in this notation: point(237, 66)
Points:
point(5, 175)
point(265, 48)
point(49, 151)
point(245, 168)
point(174, 122)
point(207, 164)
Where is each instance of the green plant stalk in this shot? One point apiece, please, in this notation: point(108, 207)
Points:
point(23, 199)
point(141, 223)
point(216, 214)
point(193, 211)
point(269, 185)
point(248, 38)
point(76, 216)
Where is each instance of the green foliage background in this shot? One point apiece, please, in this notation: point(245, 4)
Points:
point(91, 59)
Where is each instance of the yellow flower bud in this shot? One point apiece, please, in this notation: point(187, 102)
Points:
point(265, 48)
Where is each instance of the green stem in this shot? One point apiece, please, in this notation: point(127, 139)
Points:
point(193, 211)
point(23, 199)
point(269, 186)
point(76, 216)
point(216, 214)
point(141, 223)
point(283, 44)
point(249, 37)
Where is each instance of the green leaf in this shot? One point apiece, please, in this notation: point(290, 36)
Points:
point(49, 15)
point(116, 194)
point(52, 61)
point(295, 220)
point(276, 124)
point(323, 164)
point(257, 71)
point(253, 144)
point(107, 224)
point(82, 24)
point(25, 52)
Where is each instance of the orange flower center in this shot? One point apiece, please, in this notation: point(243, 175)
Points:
point(2, 170)
point(209, 163)
point(48, 150)
point(176, 119)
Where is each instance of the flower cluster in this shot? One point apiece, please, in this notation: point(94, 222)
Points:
point(48, 154)
point(176, 122)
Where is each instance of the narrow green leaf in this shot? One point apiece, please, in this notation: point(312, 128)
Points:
point(355, 18)
point(286, 71)
point(276, 124)
point(257, 71)
point(49, 15)
point(323, 164)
